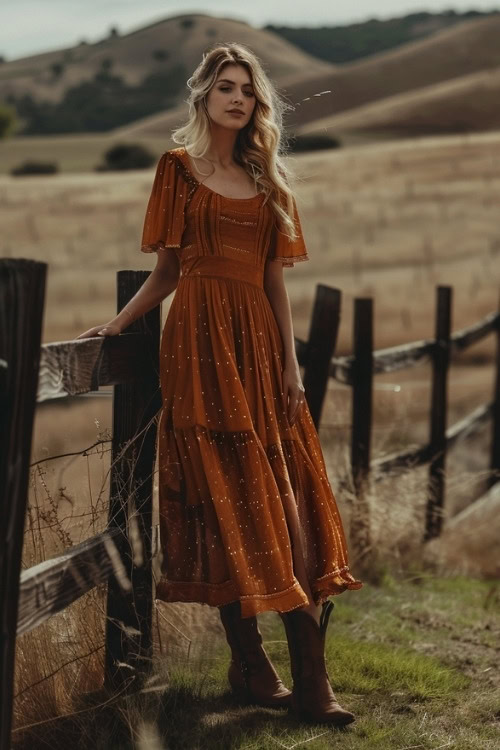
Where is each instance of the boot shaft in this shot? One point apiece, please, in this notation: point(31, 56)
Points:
point(306, 641)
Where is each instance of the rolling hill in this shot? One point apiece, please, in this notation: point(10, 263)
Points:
point(177, 40)
point(448, 82)
point(455, 69)
point(462, 50)
point(467, 104)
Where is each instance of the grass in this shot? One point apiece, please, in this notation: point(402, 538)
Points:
point(400, 656)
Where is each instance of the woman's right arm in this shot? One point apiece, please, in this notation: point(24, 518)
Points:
point(160, 283)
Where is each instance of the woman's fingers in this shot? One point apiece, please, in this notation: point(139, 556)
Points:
point(294, 392)
point(105, 330)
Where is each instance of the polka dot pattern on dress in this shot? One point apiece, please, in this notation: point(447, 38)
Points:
point(232, 470)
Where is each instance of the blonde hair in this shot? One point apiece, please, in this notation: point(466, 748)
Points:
point(261, 144)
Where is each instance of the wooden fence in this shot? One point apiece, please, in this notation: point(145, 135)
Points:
point(122, 554)
point(359, 369)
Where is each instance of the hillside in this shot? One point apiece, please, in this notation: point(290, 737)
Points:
point(445, 58)
point(177, 40)
point(468, 104)
point(348, 42)
point(462, 50)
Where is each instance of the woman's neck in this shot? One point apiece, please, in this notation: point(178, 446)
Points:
point(221, 147)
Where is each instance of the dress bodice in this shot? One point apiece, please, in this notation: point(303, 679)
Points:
point(214, 234)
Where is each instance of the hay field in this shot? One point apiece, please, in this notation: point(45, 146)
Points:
point(390, 221)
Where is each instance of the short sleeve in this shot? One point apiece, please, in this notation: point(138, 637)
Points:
point(164, 220)
point(283, 249)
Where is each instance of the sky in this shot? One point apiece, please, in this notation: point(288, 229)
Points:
point(32, 26)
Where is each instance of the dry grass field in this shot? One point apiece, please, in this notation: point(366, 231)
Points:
point(465, 104)
point(447, 82)
point(390, 221)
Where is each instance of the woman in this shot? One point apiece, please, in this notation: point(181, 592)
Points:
point(248, 520)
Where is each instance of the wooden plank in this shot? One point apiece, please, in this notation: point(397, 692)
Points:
point(22, 295)
point(394, 358)
point(464, 338)
point(410, 459)
point(341, 369)
point(439, 408)
point(362, 389)
point(495, 427)
point(321, 344)
point(403, 460)
point(69, 368)
point(129, 647)
point(52, 585)
point(362, 385)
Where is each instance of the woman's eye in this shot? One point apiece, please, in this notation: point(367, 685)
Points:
point(226, 88)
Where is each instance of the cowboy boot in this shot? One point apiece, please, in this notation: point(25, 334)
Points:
point(312, 695)
point(251, 674)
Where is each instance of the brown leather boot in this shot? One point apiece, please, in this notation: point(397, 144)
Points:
point(312, 695)
point(251, 674)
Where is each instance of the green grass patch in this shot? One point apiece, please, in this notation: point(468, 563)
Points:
point(359, 667)
point(404, 656)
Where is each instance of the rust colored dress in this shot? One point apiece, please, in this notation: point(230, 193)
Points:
point(227, 455)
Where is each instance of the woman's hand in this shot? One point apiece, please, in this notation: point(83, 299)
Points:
point(108, 329)
point(293, 390)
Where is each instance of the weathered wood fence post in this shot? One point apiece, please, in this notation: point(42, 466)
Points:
point(129, 643)
point(22, 295)
point(320, 346)
point(439, 408)
point(495, 424)
point(362, 388)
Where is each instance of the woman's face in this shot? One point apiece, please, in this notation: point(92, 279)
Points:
point(232, 90)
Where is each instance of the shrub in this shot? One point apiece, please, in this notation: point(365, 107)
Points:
point(35, 167)
point(313, 142)
point(160, 54)
point(126, 156)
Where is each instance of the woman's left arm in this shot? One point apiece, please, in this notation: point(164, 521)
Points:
point(275, 289)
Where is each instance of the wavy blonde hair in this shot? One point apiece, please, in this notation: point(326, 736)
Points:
point(261, 144)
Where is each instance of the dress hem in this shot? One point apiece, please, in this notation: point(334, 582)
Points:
point(219, 594)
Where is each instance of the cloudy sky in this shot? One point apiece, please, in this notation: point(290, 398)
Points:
point(29, 26)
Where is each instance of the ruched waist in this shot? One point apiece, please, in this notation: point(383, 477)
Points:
point(218, 266)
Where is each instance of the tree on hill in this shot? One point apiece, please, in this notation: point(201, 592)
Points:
point(101, 104)
point(342, 44)
point(8, 120)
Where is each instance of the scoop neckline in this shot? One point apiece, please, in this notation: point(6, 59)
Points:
point(184, 153)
